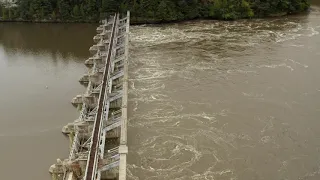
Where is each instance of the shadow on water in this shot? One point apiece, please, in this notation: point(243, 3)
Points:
point(65, 40)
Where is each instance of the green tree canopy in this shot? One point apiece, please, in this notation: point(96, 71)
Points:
point(151, 10)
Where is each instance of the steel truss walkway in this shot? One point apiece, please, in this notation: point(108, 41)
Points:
point(99, 137)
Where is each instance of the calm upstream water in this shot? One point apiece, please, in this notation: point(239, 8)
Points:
point(33, 56)
point(209, 100)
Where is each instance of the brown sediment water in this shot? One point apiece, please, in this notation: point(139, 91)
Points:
point(40, 65)
point(207, 100)
point(212, 100)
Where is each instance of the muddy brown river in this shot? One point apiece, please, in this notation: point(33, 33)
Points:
point(209, 100)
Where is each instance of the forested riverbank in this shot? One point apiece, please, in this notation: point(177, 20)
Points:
point(147, 11)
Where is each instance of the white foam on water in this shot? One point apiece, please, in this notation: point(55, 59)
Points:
point(157, 116)
point(314, 173)
point(265, 139)
point(284, 165)
point(156, 36)
point(313, 32)
point(169, 145)
point(295, 33)
point(175, 148)
point(273, 66)
point(296, 45)
point(268, 123)
point(218, 137)
point(254, 95)
point(298, 63)
point(282, 37)
point(211, 174)
point(154, 74)
point(240, 71)
point(201, 66)
point(136, 103)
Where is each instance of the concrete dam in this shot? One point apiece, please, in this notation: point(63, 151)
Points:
point(98, 149)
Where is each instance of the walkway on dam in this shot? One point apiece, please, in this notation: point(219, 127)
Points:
point(98, 137)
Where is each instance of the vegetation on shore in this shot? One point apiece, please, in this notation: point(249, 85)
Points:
point(144, 11)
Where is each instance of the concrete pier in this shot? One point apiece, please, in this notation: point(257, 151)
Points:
point(98, 138)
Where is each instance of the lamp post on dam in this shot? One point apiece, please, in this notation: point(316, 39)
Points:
point(98, 149)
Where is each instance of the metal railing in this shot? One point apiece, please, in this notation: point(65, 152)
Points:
point(91, 168)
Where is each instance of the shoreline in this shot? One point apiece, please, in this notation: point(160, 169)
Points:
point(145, 21)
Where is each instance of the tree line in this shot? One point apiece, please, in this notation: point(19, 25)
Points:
point(147, 10)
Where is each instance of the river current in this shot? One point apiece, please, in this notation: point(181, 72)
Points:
point(208, 100)
point(226, 100)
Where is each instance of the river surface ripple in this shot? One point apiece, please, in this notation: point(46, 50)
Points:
point(226, 100)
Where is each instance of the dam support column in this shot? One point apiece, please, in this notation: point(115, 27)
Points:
point(99, 136)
